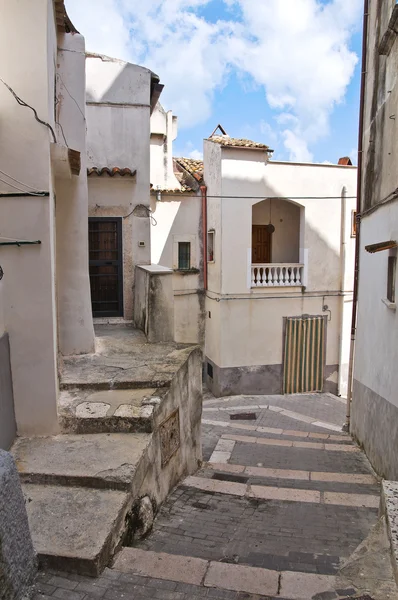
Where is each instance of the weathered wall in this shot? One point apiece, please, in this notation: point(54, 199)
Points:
point(118, 135)
point(17, 559)
point(179, 219)
point(163, 133)
point(154, 306)
point(117, 197)
point(375, 403)
point(27, 64)
point(185, 394)
point(75, 323)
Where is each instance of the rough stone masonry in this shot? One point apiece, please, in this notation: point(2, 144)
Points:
point(17, 558)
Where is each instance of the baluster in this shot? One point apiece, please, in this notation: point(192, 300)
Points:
point(253, 277)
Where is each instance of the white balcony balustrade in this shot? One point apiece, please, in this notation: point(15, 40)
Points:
point(276, 275)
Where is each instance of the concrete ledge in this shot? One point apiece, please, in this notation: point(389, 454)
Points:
point(389, 508)
point(17, 558)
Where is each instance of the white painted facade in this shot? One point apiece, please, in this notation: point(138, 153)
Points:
point(177, 218)
point(118, 136)
point(46, 299)
point(374, 410)
point(244, 325)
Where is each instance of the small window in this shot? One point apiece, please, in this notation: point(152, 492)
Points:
point(210, 370)
point(392, 267)
point(184, 256)
point(210, 245)
point(354, 223)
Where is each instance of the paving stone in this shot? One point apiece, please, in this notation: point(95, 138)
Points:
point(163, 566)
point(242, 578)
point(302, 586)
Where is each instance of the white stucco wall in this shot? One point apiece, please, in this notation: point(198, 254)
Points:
point(377, 350)
point(118, 135)
point(75, 324)
point(251, 178)
point(178, 219)
point(246, 325)
point(163, 133)
point(27, 64)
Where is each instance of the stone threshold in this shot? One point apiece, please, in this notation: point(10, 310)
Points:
point(355, 478)
point(260, 492)
point(277, 431)
point(288, 444)
point(234, 577)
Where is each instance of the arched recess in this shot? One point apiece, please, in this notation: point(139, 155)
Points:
point(282, 245)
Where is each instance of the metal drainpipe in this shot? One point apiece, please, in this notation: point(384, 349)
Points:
point(358, 224)
point(203, 190)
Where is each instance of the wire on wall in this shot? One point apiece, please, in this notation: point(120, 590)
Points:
point(30, 187)
point(25, 104)
point(27, 192)
point(149, 213)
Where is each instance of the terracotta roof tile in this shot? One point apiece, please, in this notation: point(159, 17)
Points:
point(193, 166)
point(123, 172)
point(184, 189)
point(228, 142)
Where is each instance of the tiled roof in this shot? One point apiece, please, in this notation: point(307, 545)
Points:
point(123, 172)
point(193, 166)
point(184, 189)
point(62, 20)
point(228, 142)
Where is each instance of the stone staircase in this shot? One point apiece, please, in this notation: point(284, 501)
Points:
point(130, 422)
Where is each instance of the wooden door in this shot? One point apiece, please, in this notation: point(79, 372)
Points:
point(261, 244)
point(106, 266)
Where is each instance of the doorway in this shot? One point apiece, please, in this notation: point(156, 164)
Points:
point(304, 354)
point(106, 266)
point(261, 244)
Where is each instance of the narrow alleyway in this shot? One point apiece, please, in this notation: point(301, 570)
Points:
point(283, 500)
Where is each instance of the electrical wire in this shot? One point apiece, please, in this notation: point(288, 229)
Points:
point(149, 211)
point(28, 193)
point(12, 239)
point(284, 197)
point(71, 97)
point(20, 182)
point(25, 104)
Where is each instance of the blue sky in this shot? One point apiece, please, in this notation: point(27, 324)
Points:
point(284, 73)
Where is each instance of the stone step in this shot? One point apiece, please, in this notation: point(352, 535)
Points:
point(75, 529)
point(122, 411)
point(289, 585)
point(102, 461)
point(122, 363)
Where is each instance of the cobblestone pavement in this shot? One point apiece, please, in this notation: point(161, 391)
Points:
point(286, 493)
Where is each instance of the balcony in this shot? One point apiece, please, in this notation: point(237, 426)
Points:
point(277, 275)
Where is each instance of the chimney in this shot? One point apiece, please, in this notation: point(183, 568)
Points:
point(345, 161)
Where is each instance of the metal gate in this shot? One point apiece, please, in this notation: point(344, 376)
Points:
point(304, 354)
point(106, 266)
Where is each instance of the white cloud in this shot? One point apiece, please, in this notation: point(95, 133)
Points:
point(296, 50)
point(196, 154)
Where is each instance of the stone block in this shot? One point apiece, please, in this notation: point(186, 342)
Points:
point(17, 557)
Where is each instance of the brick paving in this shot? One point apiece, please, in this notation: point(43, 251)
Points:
point(281, 536)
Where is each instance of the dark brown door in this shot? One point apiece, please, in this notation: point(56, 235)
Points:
point(106, 266)
point(261, 244)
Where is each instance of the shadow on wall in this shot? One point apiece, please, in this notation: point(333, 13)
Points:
point(183, 220)
point(7, 416)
